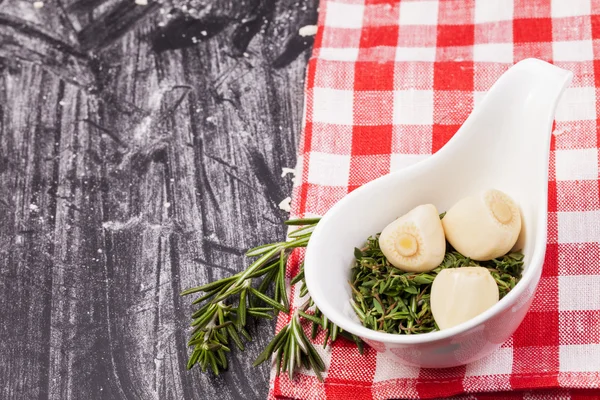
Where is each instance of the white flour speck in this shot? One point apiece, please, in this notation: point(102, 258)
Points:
point(286, 170)
point(308, 30)
point(285, 204)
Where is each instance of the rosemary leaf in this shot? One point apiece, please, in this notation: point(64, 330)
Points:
point(209, 286)
point(307, 230)
point(235, 337)
point(207, 296)
point(309, 317)
point(246, 334)
point(260, 250)
point(299, 276)
point(302, 221)
point(258, 314)
point(242, 309)
point(268, 351)
point(281, 278)
point(268, 300)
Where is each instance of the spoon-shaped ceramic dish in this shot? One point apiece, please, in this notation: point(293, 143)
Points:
point(504, 144)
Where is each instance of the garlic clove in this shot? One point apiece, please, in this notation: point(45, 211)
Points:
point(520, 243)
point(415, 242)
point(484, 226)
point(459, 294)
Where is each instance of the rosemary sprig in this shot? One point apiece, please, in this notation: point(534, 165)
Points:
point(228, 304)
point(389, 300)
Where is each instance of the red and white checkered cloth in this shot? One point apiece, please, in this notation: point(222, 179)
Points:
point(389, 82)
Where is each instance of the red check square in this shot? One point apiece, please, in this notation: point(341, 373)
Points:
point(441, 135)
point(449, 75)
point(371, 140)
point(455, 35)
point(532, 30)
point(373, 76)
point(375, 36)
point(538, 329)
point(595, 23)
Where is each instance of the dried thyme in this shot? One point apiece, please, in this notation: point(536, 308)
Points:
point(387, 299)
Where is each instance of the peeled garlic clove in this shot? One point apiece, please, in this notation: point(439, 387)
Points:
point(459, 294)
point(520, 243)
point(415, 242)
point(484, 226)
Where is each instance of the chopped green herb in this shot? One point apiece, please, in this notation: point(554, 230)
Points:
point(389, 300)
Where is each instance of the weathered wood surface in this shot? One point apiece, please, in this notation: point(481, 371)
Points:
point(137, 160)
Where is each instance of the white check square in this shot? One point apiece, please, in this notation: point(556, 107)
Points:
point(498, 363)
point(333, 106)
point(386, 369)
point(579, 226)
point(413, 107)
point(573, 50)
point(571, 358)
point(493, 10)
point(493, 52)
point(578, 292)
point(328, 169)
point(415, 54)
point(338, 54)
point(577, 164)
point(418, 12)
point(570, 8)
point(341, 15)
point(577, 103)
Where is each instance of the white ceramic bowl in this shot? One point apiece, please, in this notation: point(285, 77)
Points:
point(504, 144)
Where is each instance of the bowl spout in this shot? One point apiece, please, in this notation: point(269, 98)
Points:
point(507, 137)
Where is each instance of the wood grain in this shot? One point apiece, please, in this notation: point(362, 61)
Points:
point(135, 162)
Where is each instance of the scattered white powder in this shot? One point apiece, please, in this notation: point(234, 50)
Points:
point(285, 204)
point(308, 30)
point(38, 4)
point(286, 170)
point(558, 132)
point(141, 2)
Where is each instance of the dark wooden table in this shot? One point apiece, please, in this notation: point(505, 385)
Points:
point(141, 151)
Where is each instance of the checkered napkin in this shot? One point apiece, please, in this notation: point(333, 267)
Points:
point(389, 82)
